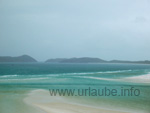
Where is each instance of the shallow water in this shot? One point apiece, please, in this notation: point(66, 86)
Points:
point(17, 79)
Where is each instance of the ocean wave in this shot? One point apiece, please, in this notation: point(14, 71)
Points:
point(119, 71)
point(99, 72)
point(88, 73)
point(134, 79)
point(4, 76)
point(97, 78)
point(65, 74)
point(22, 79)
point(9, 76)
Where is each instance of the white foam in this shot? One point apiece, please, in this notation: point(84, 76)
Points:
point(97, 78)
point(119, 71)
point(22, 79)
point(54, 75)
point(87, 73)
point(134, 79)
point(4, 76)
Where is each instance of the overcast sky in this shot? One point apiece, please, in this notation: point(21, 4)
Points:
point(108, 29)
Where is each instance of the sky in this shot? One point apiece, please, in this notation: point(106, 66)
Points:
point(107, 29)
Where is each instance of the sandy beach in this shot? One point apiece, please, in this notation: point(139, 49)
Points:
point(41, 100)
point(138, 79)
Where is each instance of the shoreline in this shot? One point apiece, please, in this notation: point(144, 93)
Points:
point(41, 100)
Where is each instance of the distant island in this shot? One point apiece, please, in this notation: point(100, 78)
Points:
point(77, 60)
point(91, 60)
point(27, 58)
point(23, 58)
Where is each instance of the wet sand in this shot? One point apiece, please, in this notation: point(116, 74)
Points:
point(41, 100)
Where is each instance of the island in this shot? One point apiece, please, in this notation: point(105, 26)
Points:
point(23, 58)
point(92, 60)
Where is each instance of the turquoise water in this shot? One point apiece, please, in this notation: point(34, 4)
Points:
point(18, 78)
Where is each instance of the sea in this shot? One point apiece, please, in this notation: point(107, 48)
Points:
point(115, 81)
